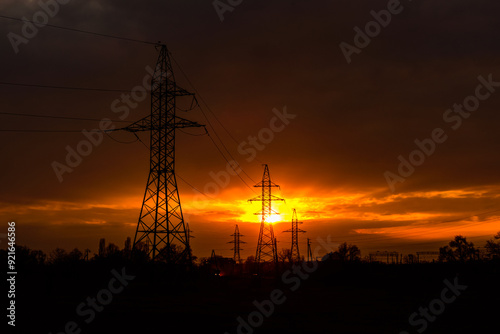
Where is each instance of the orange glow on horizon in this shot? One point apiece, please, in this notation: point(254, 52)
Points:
point(399, 218)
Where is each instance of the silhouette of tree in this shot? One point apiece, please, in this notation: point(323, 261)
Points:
point(410, 258)
point(127, 247)
point(58, 255)
point(112, 249)
point(38, 256)
point(347, 252)
point(142, 247)
point(140, 252)
point(458, 250)
point(285, 255)
point(28, 256)
point(86, 254)
point(249, 263)
point(75, 255)
point(177, 255)
point(493, 247)
point(102, 248)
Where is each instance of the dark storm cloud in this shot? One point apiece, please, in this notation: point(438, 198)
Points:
point(353, 120)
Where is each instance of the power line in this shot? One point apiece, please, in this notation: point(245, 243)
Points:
point(208, 120)
point(119, 141)
point(40, 131)
point(222, 143)
point(63, 87)
point(193, 134)
point(49, 131)
point(204, 102)
point(189, 184)
point(182, 179)
point(231, 165)
point(201, 192)
point(81, 31)
point(60, 117)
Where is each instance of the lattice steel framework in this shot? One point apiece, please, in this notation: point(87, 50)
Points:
point(309, 251)
point(161, 223)
point(295, 230)
point(236, 241)
point(266, 245)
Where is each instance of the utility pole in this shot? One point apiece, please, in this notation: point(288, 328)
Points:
point(266, 245)
point(161, 223)
point(236, 243)
point(295, 236)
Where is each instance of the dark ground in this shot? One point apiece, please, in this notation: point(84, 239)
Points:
point(335, 298)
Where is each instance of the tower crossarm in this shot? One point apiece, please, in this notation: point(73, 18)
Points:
point(161, 221)
point(290, 230)
point(185, 123)
point(269, 198)
point(182, 92)
point(145, 124)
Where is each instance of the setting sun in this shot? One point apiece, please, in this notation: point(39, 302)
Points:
point(274, 218)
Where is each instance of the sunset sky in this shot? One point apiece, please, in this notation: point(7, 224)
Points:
point(348, 122)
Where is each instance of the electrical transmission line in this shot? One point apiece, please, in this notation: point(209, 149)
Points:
point(266, 245)
point(161, 222)
point(81, 31)
point(236, 241)
point(295, 236)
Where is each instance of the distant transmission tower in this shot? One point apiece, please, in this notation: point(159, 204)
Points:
point(266, 246)
point(309, 252)
point(189, 236)
point(236, 243)
point(295, 236)
point(161, 223)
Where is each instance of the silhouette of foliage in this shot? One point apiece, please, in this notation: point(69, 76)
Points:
point(30, 257)
point(285, 255)
point(345, 252)
point(459, 249)
point(493, 247)
point(175, 254)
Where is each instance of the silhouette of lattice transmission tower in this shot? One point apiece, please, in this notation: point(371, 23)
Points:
point(295, 236)
point(236, 241)
point(266, 245)
point(309, 251)
point(189, 236)
point(161, 222)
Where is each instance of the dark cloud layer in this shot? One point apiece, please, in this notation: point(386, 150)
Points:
point(353, 120)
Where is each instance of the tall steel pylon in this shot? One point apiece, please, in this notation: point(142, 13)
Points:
point(161, 223)
point(295, 236)
point(309, 251)
point(189, 236)
point(236, 243)
point(266, 245)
